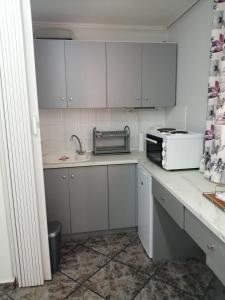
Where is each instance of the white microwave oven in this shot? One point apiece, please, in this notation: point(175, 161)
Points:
point(174, 150)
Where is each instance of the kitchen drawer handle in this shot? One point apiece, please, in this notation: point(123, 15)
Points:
point(63, 177)
point(211, 247)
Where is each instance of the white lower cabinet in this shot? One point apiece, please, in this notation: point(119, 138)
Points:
point(93, 198)
point(145, 209)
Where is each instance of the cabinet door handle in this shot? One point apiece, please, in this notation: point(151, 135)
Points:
point(162, 199)
point(70, 99)
point(63, 98)
point(142, 183)
point(72, 176)
point(63, 177)
point(211, 247)
point(146, 98)
point(138, 98)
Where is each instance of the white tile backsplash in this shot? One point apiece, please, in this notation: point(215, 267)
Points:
point(57, 125)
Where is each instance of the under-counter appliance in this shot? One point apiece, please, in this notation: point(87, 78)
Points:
point(174, 149)
point(111, 142)
point(145, 209)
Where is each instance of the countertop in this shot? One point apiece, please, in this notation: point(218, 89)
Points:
point(187, 186)
point(133, 158)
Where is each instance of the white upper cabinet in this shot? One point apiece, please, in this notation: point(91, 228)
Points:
point(159, 75)
point(123, 74)
point(50, 73)
point(85, 74)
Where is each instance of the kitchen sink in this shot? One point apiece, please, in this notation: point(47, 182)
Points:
point(65, 157)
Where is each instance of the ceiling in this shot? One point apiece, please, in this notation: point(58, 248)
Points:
point(118, 12)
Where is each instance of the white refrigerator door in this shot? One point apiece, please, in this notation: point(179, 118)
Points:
point(145, 209)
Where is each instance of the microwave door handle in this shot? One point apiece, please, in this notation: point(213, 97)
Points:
point(150, 140)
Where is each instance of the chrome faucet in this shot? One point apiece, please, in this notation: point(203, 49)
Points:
point(77, 138)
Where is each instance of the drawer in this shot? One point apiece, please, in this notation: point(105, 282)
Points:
point(208, 242)
point(199, 233)
point(173, 207)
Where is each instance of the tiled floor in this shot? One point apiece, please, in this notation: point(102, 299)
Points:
point(116, 267)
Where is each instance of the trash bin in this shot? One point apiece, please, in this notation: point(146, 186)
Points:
point(54, 237)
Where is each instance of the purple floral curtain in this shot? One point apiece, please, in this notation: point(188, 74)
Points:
point(213, 161)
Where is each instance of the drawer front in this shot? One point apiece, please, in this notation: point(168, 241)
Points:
point(173, 207)
point(208, 242)
point(215, 259)
point(199, 233)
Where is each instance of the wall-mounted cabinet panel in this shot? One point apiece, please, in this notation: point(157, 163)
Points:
point(82, 74)
point(85, 74)
point(50, 73)
point(122, 196)
point(123, 74)
point(159, 75)
point(89, 199)
point(57, 197)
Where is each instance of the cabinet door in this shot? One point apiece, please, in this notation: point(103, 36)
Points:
point(123, 74)
point(145, 210)
point(85, 74)
point(89, 199)
point(50, 73)
point(122, 196)
point(159, 75)
point(57, 197)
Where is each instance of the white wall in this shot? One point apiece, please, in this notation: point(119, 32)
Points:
point(192, 33)
point(6, 274)
point(57, 125)
point(110, 32)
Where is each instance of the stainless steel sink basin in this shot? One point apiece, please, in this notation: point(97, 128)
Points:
point(65, 157)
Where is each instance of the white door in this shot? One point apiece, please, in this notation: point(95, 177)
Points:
point(145, 209)
point(21, 147)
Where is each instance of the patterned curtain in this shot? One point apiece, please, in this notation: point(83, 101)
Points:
point(213, 161)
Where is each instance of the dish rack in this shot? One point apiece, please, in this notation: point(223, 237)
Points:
point(111, 142)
